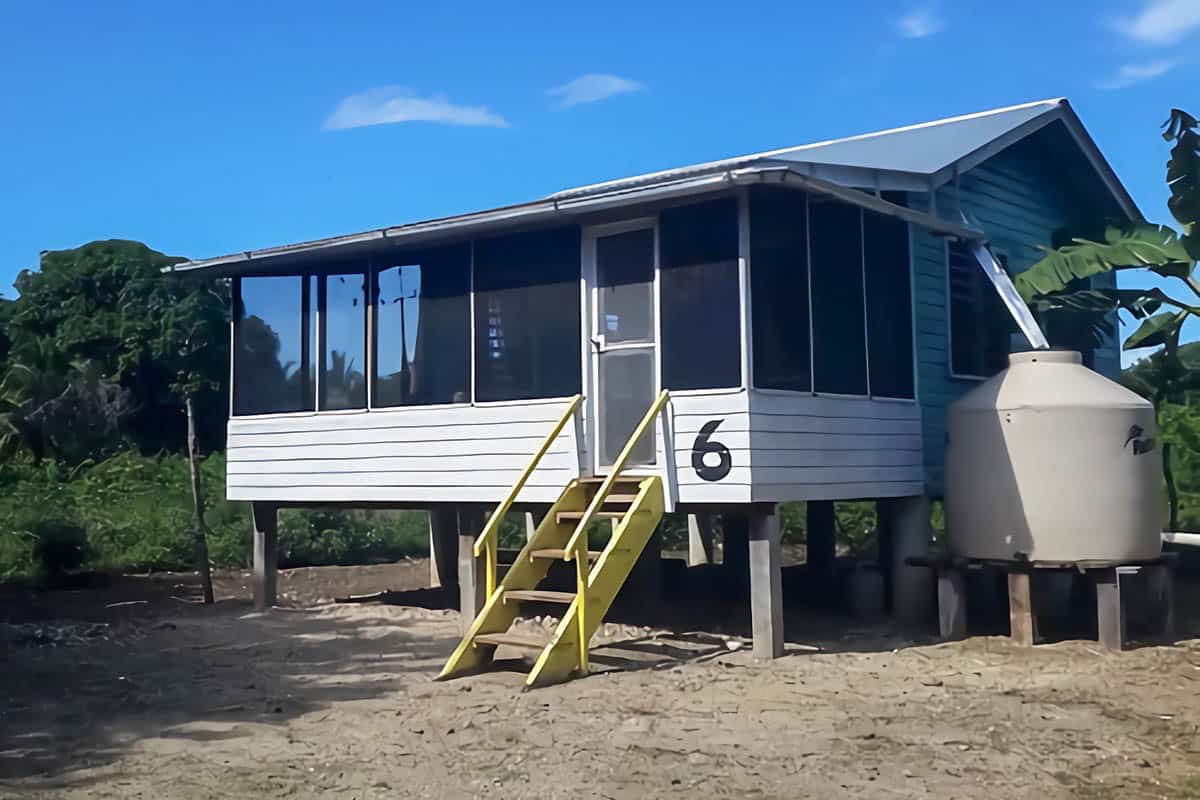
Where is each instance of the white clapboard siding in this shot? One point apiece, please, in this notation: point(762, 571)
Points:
point(689, 412)
point(831, 448)
point(453, 453)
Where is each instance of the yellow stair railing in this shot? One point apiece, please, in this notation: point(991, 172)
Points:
point(576, 548)
point(562, 536)
point(489, 538)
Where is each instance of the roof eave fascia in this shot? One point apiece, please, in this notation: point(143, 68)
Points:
point(1061, 111)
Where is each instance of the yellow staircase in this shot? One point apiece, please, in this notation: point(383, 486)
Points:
point(635, 503)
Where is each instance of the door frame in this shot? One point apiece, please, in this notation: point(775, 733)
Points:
point(592, 343)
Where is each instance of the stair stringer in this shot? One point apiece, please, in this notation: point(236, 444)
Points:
point(560, 659)
point(526, 573)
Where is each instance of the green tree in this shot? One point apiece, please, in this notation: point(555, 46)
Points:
point(1057, 284)
point(183, 335)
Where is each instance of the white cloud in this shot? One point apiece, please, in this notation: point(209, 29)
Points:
point(1162, 21)
point(1129, 74)
point(390, 104)
point(921, 22)
point(590, 88)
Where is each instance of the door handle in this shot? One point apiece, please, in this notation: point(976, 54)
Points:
point(598, 342)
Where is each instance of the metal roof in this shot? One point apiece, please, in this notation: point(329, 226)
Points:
point(915, 158)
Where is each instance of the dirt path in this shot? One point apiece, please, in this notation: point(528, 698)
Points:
point(165, 700)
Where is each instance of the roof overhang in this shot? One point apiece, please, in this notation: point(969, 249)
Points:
point(558, 209)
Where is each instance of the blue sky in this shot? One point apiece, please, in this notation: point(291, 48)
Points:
point(203, 129)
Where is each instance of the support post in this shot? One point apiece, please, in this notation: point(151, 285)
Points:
point(1022, 622)
point(910, 535)
point(1162, 589)
point(443, 546)
point(735, 550)
point(1110, 611)
point(766, 584)
point(820, 531)
point(472, 585)
point(952, 603)
point(700, 539)
point(266, 554)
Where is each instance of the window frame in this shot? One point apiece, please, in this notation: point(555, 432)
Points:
point(377, 266)
point(1002, 255)
point(315, 319)
point(912, 318)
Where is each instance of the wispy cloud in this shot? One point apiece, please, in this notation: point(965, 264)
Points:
point(590, 88)
point(391, 104)
point(1129, 74)
point(921, 22)
point(1162, 21)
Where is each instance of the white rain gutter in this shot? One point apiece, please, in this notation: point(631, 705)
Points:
point(569, 207)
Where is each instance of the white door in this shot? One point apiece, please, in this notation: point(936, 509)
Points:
point(623, 337)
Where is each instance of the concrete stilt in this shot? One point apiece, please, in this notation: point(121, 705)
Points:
point(443, 546)
point(472, 583)
point(735, 550)
point(821, 536)
point(266, 553)
point(766, 584)
point(700, 539)
point(910, 534)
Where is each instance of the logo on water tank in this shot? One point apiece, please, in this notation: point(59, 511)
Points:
point(1140, 446)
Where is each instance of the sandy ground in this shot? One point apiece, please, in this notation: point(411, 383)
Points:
point(159, 698)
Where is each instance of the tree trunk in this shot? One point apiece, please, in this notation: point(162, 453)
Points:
point(198, 503)
point(1172, 490)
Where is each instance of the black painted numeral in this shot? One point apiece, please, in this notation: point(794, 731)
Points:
point(705, 445)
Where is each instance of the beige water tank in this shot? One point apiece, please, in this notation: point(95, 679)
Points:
point(1049, 461)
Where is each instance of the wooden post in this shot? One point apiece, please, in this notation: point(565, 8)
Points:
point(766, 584)
point(735, 550)
point(1022, 621)
point(1162, 589)
point(472, 585)
point(700, 539)
point(911, 535)
point(1110, 611)
point(443, 546)
point(266, 554)
point(820, 531)
point(952, 603)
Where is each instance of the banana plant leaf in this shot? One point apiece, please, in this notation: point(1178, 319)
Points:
point(1183, 176)
point(1157, 330)
point(1142, 246)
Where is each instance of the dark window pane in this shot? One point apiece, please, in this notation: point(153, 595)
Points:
point(839, 334)
point(271, 357)
point(344, 362)
point(889, 305)
point(700, 298)
point(779, 288)
point(423, 329)
point(625, 274)
point(527, 319)
point(980, 325)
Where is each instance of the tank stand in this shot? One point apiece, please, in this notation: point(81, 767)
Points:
point(1106, 577)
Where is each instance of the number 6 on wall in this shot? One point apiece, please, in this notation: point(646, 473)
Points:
point(703, 446)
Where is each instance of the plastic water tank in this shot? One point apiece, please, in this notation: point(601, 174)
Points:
point(1049, 461)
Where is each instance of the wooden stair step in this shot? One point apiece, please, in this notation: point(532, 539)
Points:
point(539, 596)
point(575, 516)
point(558, 554)
point(620, 498)
point(511, 640)
point(621, 480)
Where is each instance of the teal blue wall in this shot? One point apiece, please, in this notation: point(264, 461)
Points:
point(1019, 198)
